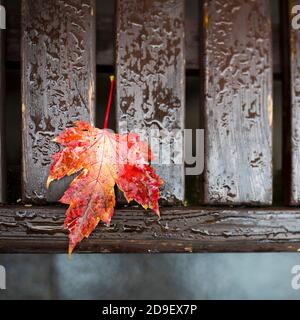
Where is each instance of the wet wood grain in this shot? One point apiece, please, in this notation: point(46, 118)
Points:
point(58, 80)
point(105, 24)
point(238, 102)
point(40, 229)
point(2, 122)
point(150, 66)
point(294, 104)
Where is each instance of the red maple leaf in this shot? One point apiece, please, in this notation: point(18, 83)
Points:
point(102, 159)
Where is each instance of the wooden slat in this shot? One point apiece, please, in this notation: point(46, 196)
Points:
point(150, 63)
point(58, 79)
point(2, 104)
point(294, 82)
point(238, 102)
point(40, 229)
point(105, 47)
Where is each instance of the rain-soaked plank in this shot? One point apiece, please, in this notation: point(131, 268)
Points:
point(238, 101)
point(207, 229)
point(2, 103)
point(58, 78)
point(150, 62)
point(105, 28)
point(293, 83)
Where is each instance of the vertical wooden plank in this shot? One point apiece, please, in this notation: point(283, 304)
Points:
point(150, 62)
point(238, 102)
point(294, 83)
point(2, 103)
point(58, 78)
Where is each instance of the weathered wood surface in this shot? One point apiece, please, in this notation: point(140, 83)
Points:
point(150, 68)
point(58, 83)
point(294, 87)
point(2, 122)
point(238, 102)
point(40, 229)
point(105, 48)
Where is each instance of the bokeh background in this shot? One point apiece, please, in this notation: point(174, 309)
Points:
point(159, 276)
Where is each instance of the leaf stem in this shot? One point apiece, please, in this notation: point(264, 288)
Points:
point(112, 83)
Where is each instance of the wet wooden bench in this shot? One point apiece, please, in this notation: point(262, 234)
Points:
point(151, 46)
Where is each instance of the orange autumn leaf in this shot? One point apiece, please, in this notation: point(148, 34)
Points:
point(102, 159)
